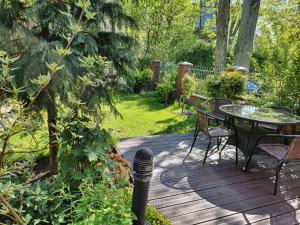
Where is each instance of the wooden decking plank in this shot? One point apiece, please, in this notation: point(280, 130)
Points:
point(290, 218)
point(217, 193)
point(233, 208)
point(261, 214)
point(239, 195)
point(207, 194)
point(196, 186)
point(203, 175)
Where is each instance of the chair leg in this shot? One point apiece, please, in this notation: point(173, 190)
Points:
point(248, 159)
point(208, 147)
point(195, 138)
point(236, 156)
point(223, 147)
point(280, 163)
point(196, 127)
point(236, 150)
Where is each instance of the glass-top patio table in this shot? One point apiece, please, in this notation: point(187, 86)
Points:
point(260, 115)
point(249, 132)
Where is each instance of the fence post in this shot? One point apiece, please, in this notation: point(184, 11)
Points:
point(183, 68)
point(142, 172)
point(155, 67)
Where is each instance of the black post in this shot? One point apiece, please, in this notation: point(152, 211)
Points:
point(142, 172)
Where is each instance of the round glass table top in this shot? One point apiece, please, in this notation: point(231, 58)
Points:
point(264, 115)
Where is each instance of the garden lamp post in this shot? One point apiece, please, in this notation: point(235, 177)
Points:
point(142, 172)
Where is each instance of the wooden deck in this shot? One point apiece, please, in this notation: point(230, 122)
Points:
point(217, 193)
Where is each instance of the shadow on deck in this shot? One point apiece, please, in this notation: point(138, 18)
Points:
point(217, 193)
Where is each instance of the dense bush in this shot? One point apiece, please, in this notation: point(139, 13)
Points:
point(165, 92)
point(201, 54)
point(154, 217)
point(144, 63)
point(140, 80)
point(228, 85)
point(189, 83)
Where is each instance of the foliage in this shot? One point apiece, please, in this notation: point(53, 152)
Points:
point(277, 53)
point(162, 25)
point(13, 122)
point(140, 80)
point(96, 198)
point(64, 76)
point(165, 92)
point(199, 54)
point(189, 83)
point(154, 217)
point(228, 85)
point(63, 71)
point(144, 62)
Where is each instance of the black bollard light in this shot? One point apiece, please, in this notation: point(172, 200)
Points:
point(142, 172)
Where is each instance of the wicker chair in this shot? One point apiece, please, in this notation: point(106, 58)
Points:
point(218, 132)
point(282, 152)
point(275, 127)
point(214, 105)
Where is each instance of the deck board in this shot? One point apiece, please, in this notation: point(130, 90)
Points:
point(217, 193)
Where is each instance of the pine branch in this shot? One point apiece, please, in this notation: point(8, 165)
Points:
point(53, 73)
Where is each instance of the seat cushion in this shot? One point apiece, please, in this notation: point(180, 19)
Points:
point(219, 132)
point(276, 150)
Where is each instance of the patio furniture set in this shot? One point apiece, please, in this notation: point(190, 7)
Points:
point(251, 130)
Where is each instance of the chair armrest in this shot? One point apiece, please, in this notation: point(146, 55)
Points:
point(274, 136)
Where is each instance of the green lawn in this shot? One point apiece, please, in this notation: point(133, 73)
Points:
point(143, 115)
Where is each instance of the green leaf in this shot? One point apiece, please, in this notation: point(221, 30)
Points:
point(42, 79)
point(92, 156)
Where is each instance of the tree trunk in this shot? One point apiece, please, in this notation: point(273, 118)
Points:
point(223, 16)
point(244, 44)
point(53, 142)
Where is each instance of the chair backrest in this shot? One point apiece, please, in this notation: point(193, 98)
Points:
point(202, 121)
point(217, 103)
point(281, 109)
point(293, 152)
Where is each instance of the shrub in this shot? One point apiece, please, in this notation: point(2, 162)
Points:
point(144, 63)
point(200, 54)
point(140, 80)
point(189, 86)
point(154, 217)
point(228, 85)
point(165, 92)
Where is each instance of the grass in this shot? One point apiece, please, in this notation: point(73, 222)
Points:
point(144, 115)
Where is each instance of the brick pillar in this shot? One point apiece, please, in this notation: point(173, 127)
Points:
point(183, 68)
point(155, 67)
point(242, 70)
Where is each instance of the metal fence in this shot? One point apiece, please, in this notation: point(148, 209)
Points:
point(202, 72)
point(168, 67)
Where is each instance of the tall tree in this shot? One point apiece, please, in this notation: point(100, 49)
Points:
point(223, 16)
point(163, 25)
point(51, 26)
point(244, 44)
